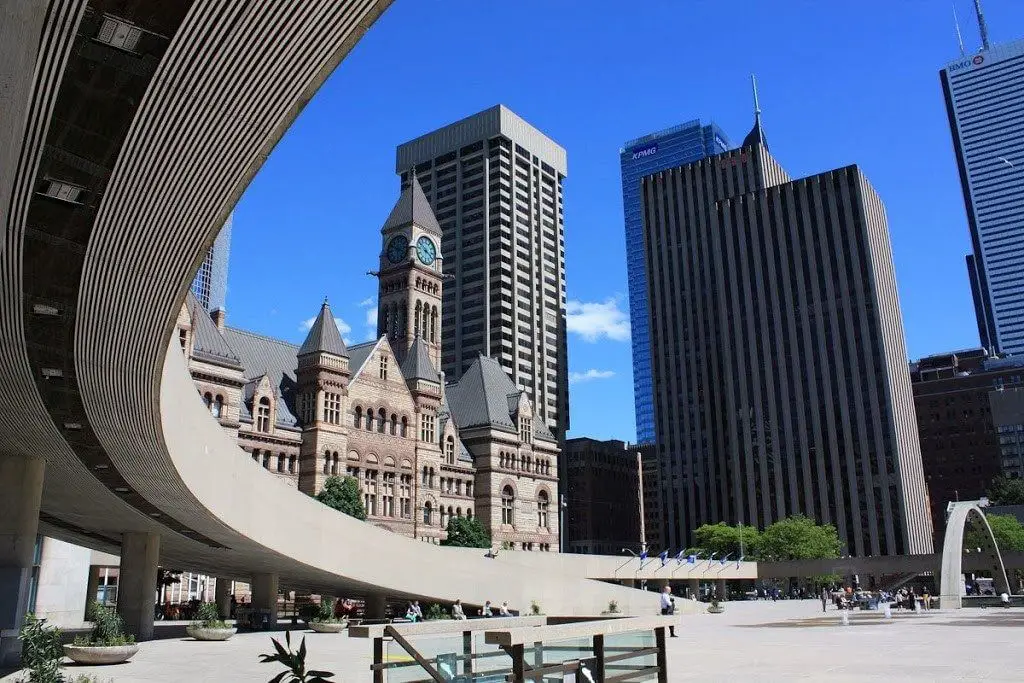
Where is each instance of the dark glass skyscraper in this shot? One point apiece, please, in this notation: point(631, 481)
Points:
point(682, 144)
point(211, 282)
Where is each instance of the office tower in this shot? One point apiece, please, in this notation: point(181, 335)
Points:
point(984, 96)
point(211, 282)
point(780, 377)
point(495, 185)
point(648, 154)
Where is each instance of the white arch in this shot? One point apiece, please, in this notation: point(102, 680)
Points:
point(960, 514)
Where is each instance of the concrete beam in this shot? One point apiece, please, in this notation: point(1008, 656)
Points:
point(21, 486)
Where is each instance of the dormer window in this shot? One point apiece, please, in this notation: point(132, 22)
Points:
point(383, 366)
point(526, 430)
point(263, 415)
point(449, 450)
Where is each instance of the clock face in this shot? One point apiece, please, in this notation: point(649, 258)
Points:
point(397, 248)
point(425, 250)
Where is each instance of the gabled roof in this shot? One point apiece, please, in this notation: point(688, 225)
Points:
point(271, 357)
point(412, 207)
point(417, 365)
point(484, 397)
point(207, 341)
point(358, 354)
point(324, 336)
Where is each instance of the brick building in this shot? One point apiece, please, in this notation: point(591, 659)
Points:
point(422, 450)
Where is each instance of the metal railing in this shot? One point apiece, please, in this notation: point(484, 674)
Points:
point(519, 649)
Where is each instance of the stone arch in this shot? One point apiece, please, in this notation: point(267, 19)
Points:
point(389, 461)
point(960, 514)
point(406, 464)
point(371, 459)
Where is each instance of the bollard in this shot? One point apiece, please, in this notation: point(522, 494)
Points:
point(845, 616)
point(888, 611)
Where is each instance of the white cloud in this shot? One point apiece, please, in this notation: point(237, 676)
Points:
point(371, 317)
point(593, 320)
point(307, 324)
point(368, 301)
point(591, 374)
point(343, 327)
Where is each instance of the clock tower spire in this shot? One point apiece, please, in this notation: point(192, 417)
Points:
point(409, 289)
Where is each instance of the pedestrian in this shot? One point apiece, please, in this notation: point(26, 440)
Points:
point(486, 612)
point(410, 613)
point(504, 610)
point(668, 607)
point(824, 599)
point(457, 612)
point(418, 610)
point(1005, 599)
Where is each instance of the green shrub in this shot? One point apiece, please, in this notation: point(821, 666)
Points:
point(208, 616)
point(107, 629)
point(324, 613)
point(295, 663)
point(434, 612)
point(613, 607)
point(41, 651)
point(535, 608)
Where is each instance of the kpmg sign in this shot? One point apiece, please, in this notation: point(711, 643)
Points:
point(641, 152)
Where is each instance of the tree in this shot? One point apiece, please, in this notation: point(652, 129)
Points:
point(798, 538)
point(467, 533)
point(343, 495)
point(1006, 491)
point(725, 540)
point(1008, 532)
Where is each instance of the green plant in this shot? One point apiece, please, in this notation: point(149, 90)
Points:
point(613, 607)
point(107, 629)
point(325, 611)
point(435, 612)
point(208, 616)
point(41, 650)
point(464, 532)
point(535, 608)
point(343, 495)
point(83, 678)
point(295, 661)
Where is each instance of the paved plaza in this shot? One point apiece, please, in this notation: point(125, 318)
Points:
point(751, 641)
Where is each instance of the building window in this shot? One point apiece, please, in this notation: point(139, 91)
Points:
point(357, 420)
point(282, 461)
point(183, 338)
point(217, 409)
point(444, 517)
point(382, 421)
point(332, 408)
point(543, 503)
point(526, 430)
point(266, 460)
point(427, 428)
point(208, 401)
point(449, 450)
point(291, 464)
point(383, 367)
point(508, 504)
point(427, 510)
point(369, 419)
point(405, 427)
point(394, 424)
point(263, 415)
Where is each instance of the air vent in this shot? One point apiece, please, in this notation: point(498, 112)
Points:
point(119, 33)
point(49, 373)
point(74, 426)
point(66, 192)
point(122, 489)
point(101, 466)
point(155, 514)
point(43, 309)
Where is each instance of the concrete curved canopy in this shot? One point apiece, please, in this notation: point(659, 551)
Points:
point(122, 162)
point(960, 515)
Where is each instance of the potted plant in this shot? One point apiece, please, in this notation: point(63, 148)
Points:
point(208, 624)
point(714, 607)
point(107, 643)
point(613, 608)
point(324, 621)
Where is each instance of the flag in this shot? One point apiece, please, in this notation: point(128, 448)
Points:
point(692, 559)
point(643, 556)
point(679, 557)
point(724, 560)
point(664, 557)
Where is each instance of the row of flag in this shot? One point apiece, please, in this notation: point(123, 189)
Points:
point(690, 559)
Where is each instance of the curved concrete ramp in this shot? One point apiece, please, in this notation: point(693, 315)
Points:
point(960, 515)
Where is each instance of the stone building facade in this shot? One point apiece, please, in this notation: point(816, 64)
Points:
point(423, 450)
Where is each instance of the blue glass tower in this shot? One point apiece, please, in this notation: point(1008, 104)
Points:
point(211, 282)
point(682, 144)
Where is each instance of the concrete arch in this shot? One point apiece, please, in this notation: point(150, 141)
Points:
point(960, 515)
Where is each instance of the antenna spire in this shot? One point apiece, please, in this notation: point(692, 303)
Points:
point(757, 105)
point(959, 37)
point(981, 24)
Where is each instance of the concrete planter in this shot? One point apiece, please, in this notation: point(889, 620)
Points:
point(715, 609)
point(328, 626)
point(112, 654)
point(202, 633)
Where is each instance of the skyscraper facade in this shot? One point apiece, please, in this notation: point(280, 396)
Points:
point(985, 101)
point(495, 184)
point(648, 154)
point(211, 282)
point(779, 364)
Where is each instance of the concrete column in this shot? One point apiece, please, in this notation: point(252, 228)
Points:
point(629, 583)
point(222, 595)
point(376, 606)
point(264, 594)
point(136, 582)
point(92, 587)
point(694, 585)
point(21, 486)
point(720, 589)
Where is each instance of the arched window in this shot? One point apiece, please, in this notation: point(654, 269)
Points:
point(282, 460)
point(405, 425)
point(449, 450)
point(334, 463)
point(417, 317)
point(218, 406)
point(394, 424)
point(394, 320)
point(369, 419)
point(508, 504)
point(444, 517)
point(403, 318)
point(458, 512)
point(469, 489)
point(427, 510)
point(542, 509)
point(266, 460)
point(382, 420)
point(358, 419)
point(433, 324)
point(256, 455)
point(327, 462)
point(208, 400)
point(426, 476)
point(263, 415)
point(291, 464)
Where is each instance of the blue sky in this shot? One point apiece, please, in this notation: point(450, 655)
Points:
point(840, 83)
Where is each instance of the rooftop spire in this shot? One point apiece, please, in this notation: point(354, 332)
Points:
point(981, 24)
point(959, 37)
point(756, 134)
point(323, 335)
point(757, 105)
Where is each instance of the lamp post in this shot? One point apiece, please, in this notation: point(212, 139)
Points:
point(561, 522)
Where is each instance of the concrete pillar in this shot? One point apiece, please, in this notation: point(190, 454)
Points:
point(136, 582)
point(92, 587)
point(694, 585)
point(264, 594)
point(720, 590)
point(376, 606)
point(629, 583)
point(222, 594)
point(21, 486)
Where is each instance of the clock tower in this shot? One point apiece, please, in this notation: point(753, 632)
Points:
point(409, 295)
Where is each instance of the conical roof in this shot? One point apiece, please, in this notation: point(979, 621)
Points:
point(417, 365)
point(412, 207)
point(756, 135)
point(324, 336)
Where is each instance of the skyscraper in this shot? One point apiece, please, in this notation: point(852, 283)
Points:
point(779, 364)
point(984, 96)
point(658, 151)
point(211, 282)
point(495, 185)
